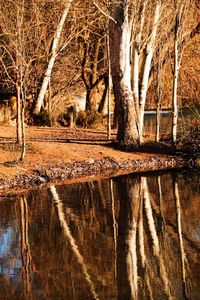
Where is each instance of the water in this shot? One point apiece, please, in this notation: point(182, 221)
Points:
point(184, 119)
point(130, 237)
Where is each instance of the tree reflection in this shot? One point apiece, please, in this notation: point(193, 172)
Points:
point(180, 236)
point(25, 249)
point(72, 241)
point(127, 277)
point(143, 263)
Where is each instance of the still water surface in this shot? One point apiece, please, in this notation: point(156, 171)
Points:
point(129, 237)
point(185, 117)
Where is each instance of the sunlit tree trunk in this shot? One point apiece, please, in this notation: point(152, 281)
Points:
point(180, 10)
point(21, 97)
point(54, 53)
point(18, 117)
point(147, 65)
point(18, 89)
point(23, 150)
point(158, 82)
point(175, 85)
point(120, 61)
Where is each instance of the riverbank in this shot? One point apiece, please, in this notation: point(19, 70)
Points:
point(64, 155)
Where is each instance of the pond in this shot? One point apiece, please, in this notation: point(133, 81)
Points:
point(128, 237)
point(185, 117)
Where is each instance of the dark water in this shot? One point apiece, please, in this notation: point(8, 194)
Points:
point(129, 237)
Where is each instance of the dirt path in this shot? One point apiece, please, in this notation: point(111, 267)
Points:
point(60, 154)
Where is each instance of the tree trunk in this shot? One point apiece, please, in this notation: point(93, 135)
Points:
point(120, 61)
point(175, 86)
point(54, 49)
point(23, 150)
point(91, 97)
point(18, 117)
point(136, 79)
point(108, 88)
point(92, 82)
point(103, 98)
point(21, 77)
point(158, 107)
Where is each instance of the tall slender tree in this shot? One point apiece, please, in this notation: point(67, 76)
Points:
point(180, 9)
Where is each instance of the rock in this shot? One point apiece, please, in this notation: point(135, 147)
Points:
point(197, 162)
point(90, 161)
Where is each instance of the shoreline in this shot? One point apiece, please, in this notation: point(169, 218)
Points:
point(87, 170)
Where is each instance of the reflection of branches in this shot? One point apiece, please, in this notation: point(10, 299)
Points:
point(72, 241)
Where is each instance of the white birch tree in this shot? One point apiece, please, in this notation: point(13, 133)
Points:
point(54, 53)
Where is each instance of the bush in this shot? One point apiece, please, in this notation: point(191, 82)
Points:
point(42, 119)
point(89, 119)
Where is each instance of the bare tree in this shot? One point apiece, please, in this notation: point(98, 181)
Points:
point(91, 58)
